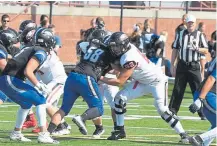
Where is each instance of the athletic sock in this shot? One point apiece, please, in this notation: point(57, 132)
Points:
point(51, 127)
point(41, 114)
point(209, 134)
point(21, 117)
point(120, 119)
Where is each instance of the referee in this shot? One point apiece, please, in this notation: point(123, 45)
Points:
point(188, 46)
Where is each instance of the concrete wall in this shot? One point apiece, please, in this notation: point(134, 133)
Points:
point(69, 21)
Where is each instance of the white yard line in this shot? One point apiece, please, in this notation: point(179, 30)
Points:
point(138, 117)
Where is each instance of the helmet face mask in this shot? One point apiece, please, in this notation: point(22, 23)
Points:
point(118, 44)
point(26, 31)
point(97, 37)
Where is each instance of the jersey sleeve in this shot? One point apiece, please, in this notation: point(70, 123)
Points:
point(58, 41)
point(41, 56)
point(214, 73)
point(127, 63)
point(83, 46)
point(3, 54)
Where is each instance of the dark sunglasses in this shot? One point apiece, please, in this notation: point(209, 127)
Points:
point(6, 21)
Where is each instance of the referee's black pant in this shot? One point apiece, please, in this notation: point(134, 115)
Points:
point(185, 73)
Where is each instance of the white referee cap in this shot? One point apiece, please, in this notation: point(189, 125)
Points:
point(190, 18)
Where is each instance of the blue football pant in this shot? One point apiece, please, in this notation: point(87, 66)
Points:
point(20, 92)
point(81, 85)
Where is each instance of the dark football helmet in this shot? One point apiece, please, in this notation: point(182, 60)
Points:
point(97, 36)
point(27, 30)
point(8, 38)
point(44, 37)
point(118, 43)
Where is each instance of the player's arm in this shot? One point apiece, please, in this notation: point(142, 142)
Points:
point(208, 85)
point(3, 63)
point(3, 59)
point(205, 89)
point(38, 59)
point(122, 78)
point(30, 68)
point(125, 72)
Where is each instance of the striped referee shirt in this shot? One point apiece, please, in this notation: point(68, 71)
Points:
point(183, 38)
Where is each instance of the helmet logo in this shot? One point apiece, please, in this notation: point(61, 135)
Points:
point(40, 40)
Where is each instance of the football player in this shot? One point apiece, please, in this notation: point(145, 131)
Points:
point(51, 73)
point(82, 81)
point(7, 38)
point(205, 98)
point(147, 78)
point(107, 91)
point(21, 66)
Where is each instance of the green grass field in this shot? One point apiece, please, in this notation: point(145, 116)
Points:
point(144, 126)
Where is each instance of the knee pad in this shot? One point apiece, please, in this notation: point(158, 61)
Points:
point(171, 118)
point(120, 106)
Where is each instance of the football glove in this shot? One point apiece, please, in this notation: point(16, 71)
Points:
point(194, 107)
point(43, 89)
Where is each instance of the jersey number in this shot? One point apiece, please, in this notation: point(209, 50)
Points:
point(93, 54)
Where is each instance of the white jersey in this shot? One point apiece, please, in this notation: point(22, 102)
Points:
point(52, 70)
point(145, 71)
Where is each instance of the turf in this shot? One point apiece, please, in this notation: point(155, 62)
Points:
point(143, 125)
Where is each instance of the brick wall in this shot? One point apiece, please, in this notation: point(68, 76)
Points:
point(68, 28)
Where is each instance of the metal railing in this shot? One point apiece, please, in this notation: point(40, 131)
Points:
point(202, 6)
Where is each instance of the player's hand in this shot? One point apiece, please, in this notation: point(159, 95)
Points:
point(44, 90)
point(194, 107)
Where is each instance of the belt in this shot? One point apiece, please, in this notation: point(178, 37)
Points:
point(188, 63)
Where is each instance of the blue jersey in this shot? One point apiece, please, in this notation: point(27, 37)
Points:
point(210, 72)
point(94, 61)
point(3, 52)
point(16, 66)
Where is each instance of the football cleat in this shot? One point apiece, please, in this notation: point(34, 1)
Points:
point(98, 132)
point(30, 122)
point(117, 134)
point(44, 137)
point(67, 125)
point(18, 136)
point(184, 138)
point(61, 130)
point(196, 141)
point(80, 123)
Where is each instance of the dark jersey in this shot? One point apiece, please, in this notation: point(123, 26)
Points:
point(180, 28)
point(94, 61)
point(3, 54)
point(153, 47)
point(88, 33)
point(16, 66)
